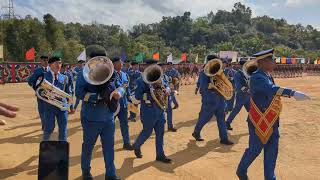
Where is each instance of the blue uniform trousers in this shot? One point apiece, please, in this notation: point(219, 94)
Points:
point(77, 103)
point(123, 119)
point(169, 115)
point(255, 148)
point(52, 114)
point(91, 131)
point(241, 100)
point(42, 111)
point(206, 113)
point(229, 104)
point(158, 127)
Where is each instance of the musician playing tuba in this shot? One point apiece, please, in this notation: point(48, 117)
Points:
point(215, 88)
point(100, 101)
point(153, 93)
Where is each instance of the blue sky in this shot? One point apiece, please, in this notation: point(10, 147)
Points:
point(126, 13)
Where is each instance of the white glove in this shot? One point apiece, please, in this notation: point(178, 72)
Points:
point(299, 96)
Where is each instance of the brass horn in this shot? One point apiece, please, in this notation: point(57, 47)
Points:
point(98, 70)
point(53, 95)
point(249, 67)
point(218, 81)
point(152, 75)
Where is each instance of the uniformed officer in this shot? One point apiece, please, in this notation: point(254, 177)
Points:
point(229, 72)
point(263, 120)
point(77, 71)
point(134, 74)
point(53, 113)
point(32, 81)
point(172, 73)
point(97, 119)
point(152, 118)
point(122, 80)
point(242, 94)
point(212, 104)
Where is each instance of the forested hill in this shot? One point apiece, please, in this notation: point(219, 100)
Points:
point(224, 30)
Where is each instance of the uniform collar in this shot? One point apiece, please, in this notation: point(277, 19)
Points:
point(52, 73)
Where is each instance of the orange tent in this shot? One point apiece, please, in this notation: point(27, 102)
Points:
point(283, 60)
point(156, 56)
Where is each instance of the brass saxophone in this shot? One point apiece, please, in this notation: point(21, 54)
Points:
point(218, 81)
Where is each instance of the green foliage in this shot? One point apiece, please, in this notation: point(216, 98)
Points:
point(224, 30)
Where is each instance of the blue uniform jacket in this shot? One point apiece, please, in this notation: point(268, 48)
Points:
point(209, 96)
point(89, 94)
point(32, 80)
point(150, 112)
point(241, 86)
point(122, 80)
point(263, 90)
point(172, 73)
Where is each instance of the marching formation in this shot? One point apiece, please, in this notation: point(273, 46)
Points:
point(111, 89)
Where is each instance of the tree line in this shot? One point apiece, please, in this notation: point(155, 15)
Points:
point(233, 30)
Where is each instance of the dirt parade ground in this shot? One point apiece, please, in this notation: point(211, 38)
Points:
point(298, 154)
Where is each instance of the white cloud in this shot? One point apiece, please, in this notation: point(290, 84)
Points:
point(297, 3)
point(123, 12)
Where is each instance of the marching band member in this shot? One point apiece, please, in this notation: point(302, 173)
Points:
point(174, 81)
point(77, 71)
point(212, 104)
point(122, 80)
point(134, 74)
point(242, 94)
point(32, 81)
point(52, 112)
point(97, 118)
point(152, 118)
point(263, 120)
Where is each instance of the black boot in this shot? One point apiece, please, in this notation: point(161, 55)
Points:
point(137, 152)
point(86, 175)
point(163, 159)
point(112, 178)
point(128, 147)
point(228, 125)
point(226, 142)
point(197, 137)
point(172, 129)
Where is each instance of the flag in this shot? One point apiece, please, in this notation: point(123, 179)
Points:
point(170, 58)
point(58, 53)
point(184, 57)
point(30, 54)
point(82, 56)
point(156, 56)
point(1, 51)
point(139, 57)
point(197, 59)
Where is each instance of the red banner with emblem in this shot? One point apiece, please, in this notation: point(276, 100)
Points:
point(264, 121)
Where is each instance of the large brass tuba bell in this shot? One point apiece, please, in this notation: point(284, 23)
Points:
point(98, 70)
point(218, 81)
point(152, 75)
point(53, 95)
